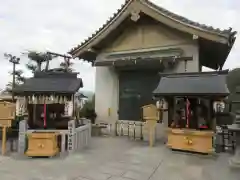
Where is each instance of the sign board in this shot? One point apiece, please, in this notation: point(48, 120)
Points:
point(150, 112)
point(7, 113)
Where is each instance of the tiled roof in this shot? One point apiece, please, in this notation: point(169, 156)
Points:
point(50, 83)
point(208, 83)
point(225, 33)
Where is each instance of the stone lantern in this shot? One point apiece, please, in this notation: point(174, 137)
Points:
point(235, 127)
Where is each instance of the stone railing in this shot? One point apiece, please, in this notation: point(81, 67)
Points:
point(132, 129)
point(138, 130)
point(77, 137)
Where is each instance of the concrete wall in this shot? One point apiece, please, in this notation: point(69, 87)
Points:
point(106, 94)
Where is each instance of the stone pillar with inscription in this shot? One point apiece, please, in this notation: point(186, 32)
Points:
point(235, 160)
point(71, 136)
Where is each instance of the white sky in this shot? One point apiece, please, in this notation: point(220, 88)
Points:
point(59, 25)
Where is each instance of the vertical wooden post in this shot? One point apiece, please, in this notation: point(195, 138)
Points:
point(151, 126)
point(45, 115)
point(34, 113)
point(4, 138)
point(151, 137)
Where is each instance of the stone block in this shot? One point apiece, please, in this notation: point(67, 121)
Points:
point(94, 175)
point(112, 170)
point(136, 175)
point(118, 178)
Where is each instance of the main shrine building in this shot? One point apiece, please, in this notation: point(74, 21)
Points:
point(140, 40)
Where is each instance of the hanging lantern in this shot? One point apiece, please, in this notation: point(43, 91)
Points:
point(218, 106)
point(162, 104)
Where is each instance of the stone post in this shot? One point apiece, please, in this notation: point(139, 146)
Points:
point(71, 136)
point(22, 136)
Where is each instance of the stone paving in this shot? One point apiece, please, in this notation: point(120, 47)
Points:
point(112, 158)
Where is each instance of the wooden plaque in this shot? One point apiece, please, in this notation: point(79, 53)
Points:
point(7, 113)
point(150, 112)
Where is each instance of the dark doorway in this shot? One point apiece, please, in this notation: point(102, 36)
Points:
point(135, 91)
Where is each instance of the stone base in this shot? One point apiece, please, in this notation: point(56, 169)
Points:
point(234, 162)
point(97, 130)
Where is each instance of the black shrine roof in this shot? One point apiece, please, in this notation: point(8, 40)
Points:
point(205, 83)
point(51, 82)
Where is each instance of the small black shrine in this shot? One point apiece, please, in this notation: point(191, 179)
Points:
point(50, 104)
point(46, 95)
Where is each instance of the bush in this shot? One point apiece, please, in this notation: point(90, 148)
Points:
point(88, 111)
point(233, 84)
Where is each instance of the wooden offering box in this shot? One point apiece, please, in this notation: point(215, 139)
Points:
point(42, 144)
point(190, 140)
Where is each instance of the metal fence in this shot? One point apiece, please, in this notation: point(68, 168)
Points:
point(224, 140)
point(131, 129)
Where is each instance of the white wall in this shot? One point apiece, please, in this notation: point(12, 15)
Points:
point(106, 94)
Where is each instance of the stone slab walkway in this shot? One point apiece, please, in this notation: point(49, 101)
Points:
point(111, 158)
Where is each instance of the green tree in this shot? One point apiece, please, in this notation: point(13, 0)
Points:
point(88, 110)
point(233, 84)
point(19, 79)
point(37, 59)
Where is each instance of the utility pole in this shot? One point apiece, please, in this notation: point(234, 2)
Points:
point(14, 60)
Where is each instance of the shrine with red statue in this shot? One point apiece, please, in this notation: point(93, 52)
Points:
point(192, 105)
